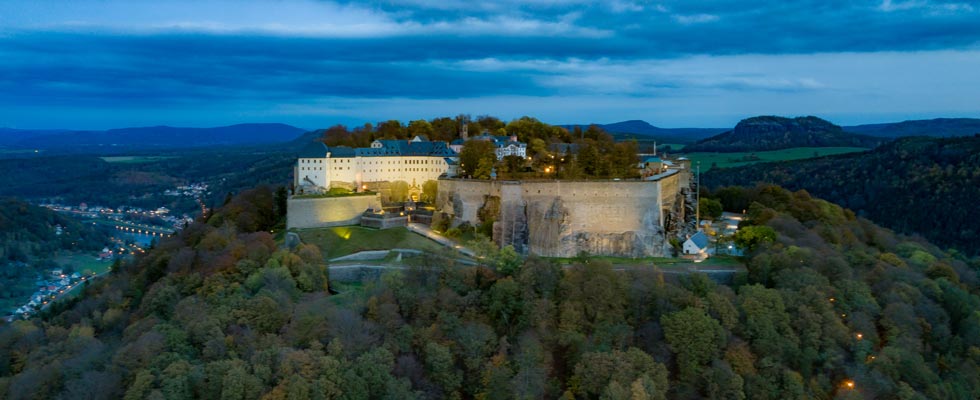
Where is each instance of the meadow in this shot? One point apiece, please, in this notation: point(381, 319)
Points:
point(135, 159)
point(725, 160)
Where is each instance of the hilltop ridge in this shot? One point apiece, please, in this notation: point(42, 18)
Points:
point(151, 137)
point(944, 127)
point(764, 133)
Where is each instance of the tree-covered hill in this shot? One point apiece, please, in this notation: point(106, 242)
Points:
point(924, 127)
point(30, 232)
point(927, 186)
point(644, 130)
point(143, 138)
point(832, 307)
point(95, 181)
point(774, 133)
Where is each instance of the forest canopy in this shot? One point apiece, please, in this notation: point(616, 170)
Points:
point(832, 307)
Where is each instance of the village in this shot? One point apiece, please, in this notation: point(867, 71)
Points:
point(50, 288)
point(135, 229)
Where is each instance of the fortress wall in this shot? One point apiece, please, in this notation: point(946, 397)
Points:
point(463, 198)
point(562, 218)
point(328, 211)
point(671, 187)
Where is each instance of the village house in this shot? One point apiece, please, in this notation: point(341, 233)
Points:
point(697, 244)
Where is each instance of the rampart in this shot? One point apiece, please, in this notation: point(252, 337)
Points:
point(562, 218)
point(328, 211)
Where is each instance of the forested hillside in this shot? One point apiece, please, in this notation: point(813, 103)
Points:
point(142, 138)
point(832, 307)
point(924, 127)
point(28, 232)
point(92, 180)
point(928, 186)
point(774, 133)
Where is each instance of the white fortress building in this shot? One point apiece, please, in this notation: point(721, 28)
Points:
point(503, 145)
point(415, 161)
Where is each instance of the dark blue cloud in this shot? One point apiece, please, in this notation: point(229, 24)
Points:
point(123, 57)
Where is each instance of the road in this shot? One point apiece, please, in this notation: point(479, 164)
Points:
point(74, 287)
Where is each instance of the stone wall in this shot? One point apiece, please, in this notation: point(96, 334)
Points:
point(383, 221)
point(328, 211)
point(563, 218)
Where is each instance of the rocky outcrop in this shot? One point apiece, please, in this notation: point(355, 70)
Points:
point(775, 133)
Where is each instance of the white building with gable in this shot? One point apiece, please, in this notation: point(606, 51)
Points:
point(415, 161)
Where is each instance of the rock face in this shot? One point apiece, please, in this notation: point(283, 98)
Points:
point(565, 218)
point(775, 133)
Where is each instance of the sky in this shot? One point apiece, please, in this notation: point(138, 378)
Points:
point(97, 64)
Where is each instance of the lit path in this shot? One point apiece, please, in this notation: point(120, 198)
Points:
point(364, 266)
point(429, 233)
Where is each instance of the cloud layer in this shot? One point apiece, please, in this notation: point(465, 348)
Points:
point(106, 64)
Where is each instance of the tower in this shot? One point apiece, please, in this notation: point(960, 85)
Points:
point(464, 132)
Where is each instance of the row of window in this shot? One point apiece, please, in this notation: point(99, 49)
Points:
point(343, 160)
point(374, 170)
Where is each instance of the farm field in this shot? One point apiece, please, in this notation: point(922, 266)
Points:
point(725, 160)
point(134, 159)
point(85, 264)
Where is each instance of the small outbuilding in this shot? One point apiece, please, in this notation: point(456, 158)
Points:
point(696, 244)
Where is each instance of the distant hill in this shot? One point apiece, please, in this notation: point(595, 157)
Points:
point(918, 185)
point(766, 133)
point(943, 127)
point(634, 127)
point(149, 137)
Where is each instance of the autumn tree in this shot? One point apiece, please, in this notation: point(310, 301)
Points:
point(695, 337)
point(477, 155)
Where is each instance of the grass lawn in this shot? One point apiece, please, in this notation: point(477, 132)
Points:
point(724, 160)
point(134, 159)
point(85, 264)
point(343, 240)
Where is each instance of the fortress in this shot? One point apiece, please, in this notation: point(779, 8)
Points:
point(551, 218)
point(629, 218)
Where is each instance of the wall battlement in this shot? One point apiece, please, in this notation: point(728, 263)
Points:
point(328, 211)
point(563, 218)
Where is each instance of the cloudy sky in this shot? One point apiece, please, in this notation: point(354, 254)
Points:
point(103, 64)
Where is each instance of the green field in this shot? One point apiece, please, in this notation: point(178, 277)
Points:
point(18, 151)
point(84, 264)
point(343, 240)
point(725, 160)
point(134, 159)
